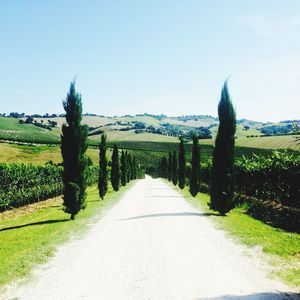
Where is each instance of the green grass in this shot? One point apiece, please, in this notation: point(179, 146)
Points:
point(30, 236)
point(114, 136)
point(282, 248)
point(41, 154)
point(10, 129)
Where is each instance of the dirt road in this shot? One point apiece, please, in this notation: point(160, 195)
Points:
point(151, 245)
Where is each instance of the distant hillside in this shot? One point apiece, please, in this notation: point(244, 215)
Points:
point(147, 127)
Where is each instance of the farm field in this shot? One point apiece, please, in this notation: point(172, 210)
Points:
point(150, 150)
point(131, 136)
point(38, 154)
point(10, 129)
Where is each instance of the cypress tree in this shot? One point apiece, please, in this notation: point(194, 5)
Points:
point(164, 167)
point(181, 165)
point(223, 156)
point(170, 166)
point(174, 168)
point(195, 171)
point(102, 183)
point(115, 171)
point(134, 168)
point(128, 171)
point(131, 167)
point(73, 148)
point(123, 169)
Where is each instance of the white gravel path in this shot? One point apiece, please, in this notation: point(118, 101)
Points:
point(151, 245)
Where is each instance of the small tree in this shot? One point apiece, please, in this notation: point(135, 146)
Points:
point(164, 168)
point(181, 165)
point(134, 168)
point(115, 171)
point(102, 183)
point(223, 156)
point(73, 148)
point(195, 171)
point(128, 170)
point(170, 166)
point(123, 169)
point(174, 168)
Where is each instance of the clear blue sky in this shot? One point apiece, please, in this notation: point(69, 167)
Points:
point(154, 56)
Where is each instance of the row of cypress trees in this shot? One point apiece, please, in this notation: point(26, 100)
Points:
point(174, 168)
point(76, 163)
point(122, 171)
point(222, 183)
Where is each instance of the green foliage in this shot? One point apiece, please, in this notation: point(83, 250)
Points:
point(223, 156)
point(128, 169)
point(174, 168)
point(123, 169)
point(135, 167)
point(170, 166)
point(275, 178)
point(181, 165)
point(163, 168)
point(115, 170)
point(22, 184)
point(103, 181)
point(195, 170)
point(73, 148)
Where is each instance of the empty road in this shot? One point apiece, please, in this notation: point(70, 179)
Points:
point(151, 245)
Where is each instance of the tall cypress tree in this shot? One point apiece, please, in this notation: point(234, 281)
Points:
point(164, 167)
point(170, 166)
point(195, 171)
point(134, 168)
point(123, 169)
point(174, 168)
point(115, 171)
point(223, 156)
point(131, 167)
point(73, 148)
point(102, 183)
point(181, 165)
point(128, 170)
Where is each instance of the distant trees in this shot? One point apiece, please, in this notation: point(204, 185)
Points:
point(102, 183)
point(195, 170)
point(174, 168)
point(163, 168)
point(170, 168)
point(223, 156)
point(115, 171)
point(73, 148)
point(181, 165)
point(123, 169)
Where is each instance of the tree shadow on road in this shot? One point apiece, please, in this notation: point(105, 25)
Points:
point(257, 296)
point(180, 214)
point(34, 224)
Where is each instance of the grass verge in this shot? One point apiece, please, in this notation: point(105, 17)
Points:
point(30, 235)
point(282, 248)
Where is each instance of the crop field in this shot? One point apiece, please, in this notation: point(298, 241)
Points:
point(38, 154)
point(131, 136)
point(11, 130)
point(271, 142)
